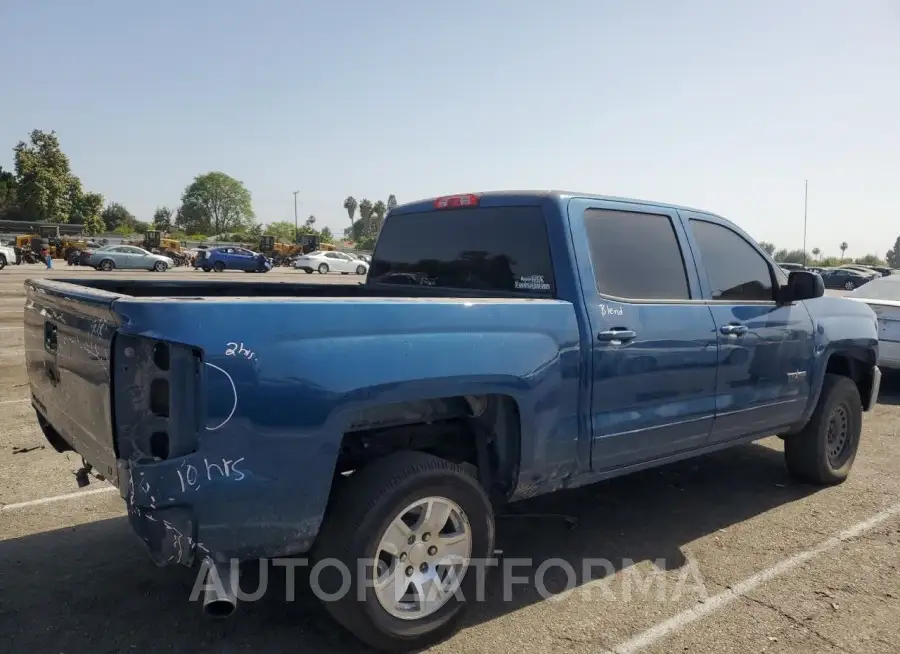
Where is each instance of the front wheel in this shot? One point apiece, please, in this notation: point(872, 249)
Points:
point(360, 270)
point(323, 268)
point(823, 452)
point(160, 266)
point(218, 266)
point(848, 285)
point(420, 525)
point(107, 265)
point(2, 261)
point(206, 268)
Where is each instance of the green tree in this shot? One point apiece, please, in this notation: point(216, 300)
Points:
point(311, 221)
point(893, 255)
point(350, 204)
point(379, 209)
point(791, 256)
point(392, 201)
point(325, 236)
point(816, 252)
point(7, 190)
point(163, 219)
point(116, 216)
point(768, 247)
point(222, 202)
point(843, 246)
point(365, 216)
point(43, 178)
point(90, 208)
point(282, 230)
point(870, 260)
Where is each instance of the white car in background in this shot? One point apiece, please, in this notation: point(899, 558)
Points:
point(326, 262)
point(883, 296)
point(7, 255)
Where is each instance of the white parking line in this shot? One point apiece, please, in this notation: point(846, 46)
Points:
point(659, 631)
point(24, 399)
point(57, 498)
point(10, 329)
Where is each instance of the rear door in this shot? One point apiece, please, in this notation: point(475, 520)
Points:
point(654, 347)
point(68, 336)
point(766, 350)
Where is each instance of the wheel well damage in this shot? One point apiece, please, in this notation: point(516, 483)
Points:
point(480, 431)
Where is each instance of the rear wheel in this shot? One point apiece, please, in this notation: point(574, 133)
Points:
point(2, 261)
point(360, 270)
point(420, 524)
point(206, 268)
point(218, 266)
point(849, 285)
point(323, 268)
point(308, 271)
point(107, 265)
point(824, 451)
point(160, 266)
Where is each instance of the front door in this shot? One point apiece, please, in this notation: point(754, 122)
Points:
point(654, 346)
point(766, 350)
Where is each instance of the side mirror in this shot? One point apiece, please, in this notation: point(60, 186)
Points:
point(802, 285)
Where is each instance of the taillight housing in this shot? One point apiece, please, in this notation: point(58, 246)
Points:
point(456, 201)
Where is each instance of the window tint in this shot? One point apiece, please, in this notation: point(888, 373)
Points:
point(636, 255)
point(736, 271)
point(482, 248)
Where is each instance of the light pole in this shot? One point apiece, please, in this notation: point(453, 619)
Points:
point(805, 198)
point(296, 224)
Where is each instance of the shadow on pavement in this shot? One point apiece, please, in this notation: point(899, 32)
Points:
point(92, 588)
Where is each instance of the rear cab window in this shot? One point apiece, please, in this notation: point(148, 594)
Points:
point(492, 249)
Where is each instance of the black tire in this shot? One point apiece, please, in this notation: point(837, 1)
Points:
point(308, 271)
point(206, 268)
point(849, 286)
point(107, 265)
point(808, 455)
point(360, 511)
point(360, 270)
point(218, 266)
point(160, 266)
point(323, 268)
point(2, 261)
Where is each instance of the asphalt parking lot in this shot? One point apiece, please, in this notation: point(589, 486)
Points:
point(720, 554)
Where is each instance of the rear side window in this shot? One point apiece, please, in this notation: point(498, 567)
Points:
point(636, 256)
point(485, 249)
point(736, 271)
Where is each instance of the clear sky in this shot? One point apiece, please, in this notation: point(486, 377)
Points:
point(719, 104)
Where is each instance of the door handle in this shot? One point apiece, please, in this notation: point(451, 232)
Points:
point(616, 335)
point(733, 330)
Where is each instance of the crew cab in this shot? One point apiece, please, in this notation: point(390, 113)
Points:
point(504, 345)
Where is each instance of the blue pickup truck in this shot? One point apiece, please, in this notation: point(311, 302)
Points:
point(504, 345)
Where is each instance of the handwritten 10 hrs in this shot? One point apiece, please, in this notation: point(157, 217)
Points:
point(233, 349)
point(191, 477)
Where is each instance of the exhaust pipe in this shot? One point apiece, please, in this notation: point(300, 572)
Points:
point(219, 600)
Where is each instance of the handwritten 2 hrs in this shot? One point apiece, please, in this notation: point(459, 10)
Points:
point(233, 349)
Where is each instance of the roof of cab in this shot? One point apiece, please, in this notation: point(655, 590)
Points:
point(427, 204)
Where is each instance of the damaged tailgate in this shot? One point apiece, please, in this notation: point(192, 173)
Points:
point(69, 331)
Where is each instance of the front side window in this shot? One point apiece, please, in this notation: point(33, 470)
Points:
point(498, 249)
point(636, 255)
point(736, 271)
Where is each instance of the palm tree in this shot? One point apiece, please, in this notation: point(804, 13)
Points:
point(350, 205)
point(378, 210)
point(365, 215)
point(844, 247)
point(816, 252)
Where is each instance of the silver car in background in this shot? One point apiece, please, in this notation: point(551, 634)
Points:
point(883, 296)
point(127, 257)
